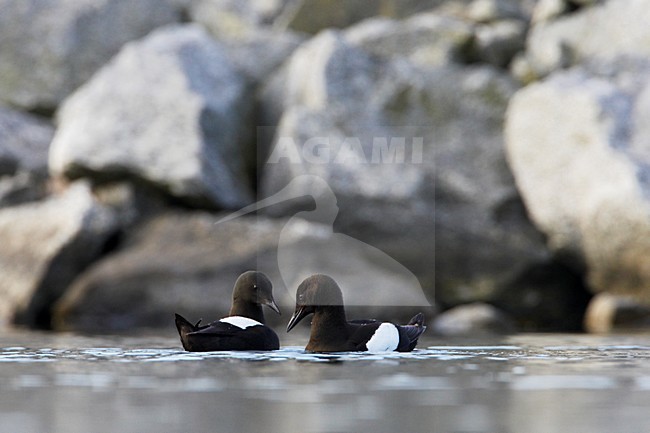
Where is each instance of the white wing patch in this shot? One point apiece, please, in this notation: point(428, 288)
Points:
point(240, 322)
point(385, 339)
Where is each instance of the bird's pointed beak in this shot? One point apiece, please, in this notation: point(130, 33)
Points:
point(273, 306)
point(298, 315)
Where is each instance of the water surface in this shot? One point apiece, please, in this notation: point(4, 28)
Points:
point(524, 383)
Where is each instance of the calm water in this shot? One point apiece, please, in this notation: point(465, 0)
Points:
point(525, 383)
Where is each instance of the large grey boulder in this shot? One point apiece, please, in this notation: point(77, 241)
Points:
point(44, 246)
point(172, 263)
point(602, 30)
point(246, 31)
point(24, 145)
point(168, 110)
point(440, 36)
point(50, 47)
point(427, 39)
point(323, 93)
point(415, 158)
point(188, 262)
point(259, 54)
point(578, 146)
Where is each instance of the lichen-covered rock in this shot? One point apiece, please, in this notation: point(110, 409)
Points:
point(45, 245)
point(50, 47)
point(169, 110)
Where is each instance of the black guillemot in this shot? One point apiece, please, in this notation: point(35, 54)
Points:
point(243, 328)
point(332, 332)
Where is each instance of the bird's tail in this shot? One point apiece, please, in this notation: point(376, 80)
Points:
point(184, 327)
point(417, 320)
point(413, 330)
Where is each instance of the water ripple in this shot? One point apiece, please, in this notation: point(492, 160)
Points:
point(297, 354)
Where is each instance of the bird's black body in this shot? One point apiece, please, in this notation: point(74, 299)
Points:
point(243, 328)
point(332, 332)
point(220, 335)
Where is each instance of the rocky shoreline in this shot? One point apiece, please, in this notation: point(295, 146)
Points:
point(487, 146)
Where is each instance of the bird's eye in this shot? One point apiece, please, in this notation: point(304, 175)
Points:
point(254, 286)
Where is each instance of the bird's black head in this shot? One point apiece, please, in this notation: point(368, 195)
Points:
point(255, 288)
point(315, 292)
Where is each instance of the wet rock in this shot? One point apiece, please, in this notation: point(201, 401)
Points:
point(611, 313)
point(45, 245)
point(457, 224)
point(577, 146)
point(24, 145)
point(50, 47)
point(557, 39)
point(472, 320)
point(188, 262)
point(168, 110)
